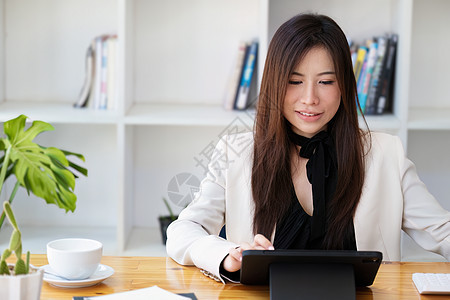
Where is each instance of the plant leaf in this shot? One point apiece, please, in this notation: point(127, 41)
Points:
point(74, 165)
point(6, 254)
point(20, 267)
point(15, 242)
point(64, 177)
point(4, 270)
point(69, 153)
point(10, 166)
point(42, 171)
point(80, 169)
point(9, 213)
point(62, 162)
point(67, 199)
point(14, 129)
point(56, 154)
point(27, 265)
point(18, 251)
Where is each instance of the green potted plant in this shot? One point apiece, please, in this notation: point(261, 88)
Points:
point(164, 221)
point(43, 171)
point(19, 281)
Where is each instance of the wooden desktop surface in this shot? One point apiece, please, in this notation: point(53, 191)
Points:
point(393, 280)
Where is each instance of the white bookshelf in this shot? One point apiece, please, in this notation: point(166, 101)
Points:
point(187, 115)
point(57, 112)
point(175, 58)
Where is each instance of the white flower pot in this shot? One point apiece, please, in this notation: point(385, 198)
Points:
point(22, 287)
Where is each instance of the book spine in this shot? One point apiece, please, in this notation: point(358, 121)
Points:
point(371, 97)
point(365, 82)
point(233, 86)
point(104, 74)
point(244, 88)
point(112, 75)
point(353, 53)
point(98, 71)
point(360, 58)
point(87, 85)
point(387, 77)
point(359, 82)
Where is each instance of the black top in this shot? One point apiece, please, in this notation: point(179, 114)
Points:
point(294, 230)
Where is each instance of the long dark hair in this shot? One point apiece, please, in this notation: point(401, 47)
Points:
point(271, 172)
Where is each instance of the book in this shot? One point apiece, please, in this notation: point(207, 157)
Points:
point(98, 42)
point(365, 81)
point(89, 75)
point(353, 52)
point(111, 89)
point(371, 102)
point(360, 58)
point(243, 95)
point(384, 98)
point(233, 85)
point(103, 73)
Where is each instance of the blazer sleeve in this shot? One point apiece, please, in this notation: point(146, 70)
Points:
point(193, 238)
point(424, 219)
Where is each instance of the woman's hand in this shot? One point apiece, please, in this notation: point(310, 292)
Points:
point(232, 262)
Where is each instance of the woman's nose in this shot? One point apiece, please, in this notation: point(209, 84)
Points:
point(310, 95)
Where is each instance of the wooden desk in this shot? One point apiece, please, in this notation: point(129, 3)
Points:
point(392, 282)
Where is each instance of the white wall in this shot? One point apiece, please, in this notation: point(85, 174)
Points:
point(60, 32)
point(356, 25)
point(429, 150)
point(430, 63)
point(176, 40)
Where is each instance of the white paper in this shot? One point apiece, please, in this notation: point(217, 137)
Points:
point(153, 292)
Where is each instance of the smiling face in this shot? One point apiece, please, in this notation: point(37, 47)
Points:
point(312, 96)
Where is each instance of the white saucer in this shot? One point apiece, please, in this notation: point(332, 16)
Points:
point(99, 275)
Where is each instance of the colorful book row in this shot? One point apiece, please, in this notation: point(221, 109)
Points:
point(374, 67)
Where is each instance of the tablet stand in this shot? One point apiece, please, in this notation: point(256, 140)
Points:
point(312, 281)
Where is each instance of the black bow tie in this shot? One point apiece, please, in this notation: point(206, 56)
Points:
point(321, 170)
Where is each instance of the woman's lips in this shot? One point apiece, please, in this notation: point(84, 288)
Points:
point(308, 116)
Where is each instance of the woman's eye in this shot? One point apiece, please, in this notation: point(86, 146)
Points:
point(326, 82)
point(295, 82)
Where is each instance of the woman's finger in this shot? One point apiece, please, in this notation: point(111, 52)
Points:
point(232, 261)
point(236, 253)
point(246, 246)
point(261, 241)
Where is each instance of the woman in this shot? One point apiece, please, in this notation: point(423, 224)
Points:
point(310, 179)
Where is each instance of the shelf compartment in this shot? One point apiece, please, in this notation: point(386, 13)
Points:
point(429, 118)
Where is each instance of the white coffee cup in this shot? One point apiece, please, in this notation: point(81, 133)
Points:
point(74, 258)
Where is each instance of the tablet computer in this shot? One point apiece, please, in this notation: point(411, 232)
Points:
point(256, 263)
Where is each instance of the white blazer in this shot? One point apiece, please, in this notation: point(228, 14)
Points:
point(393, 199)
